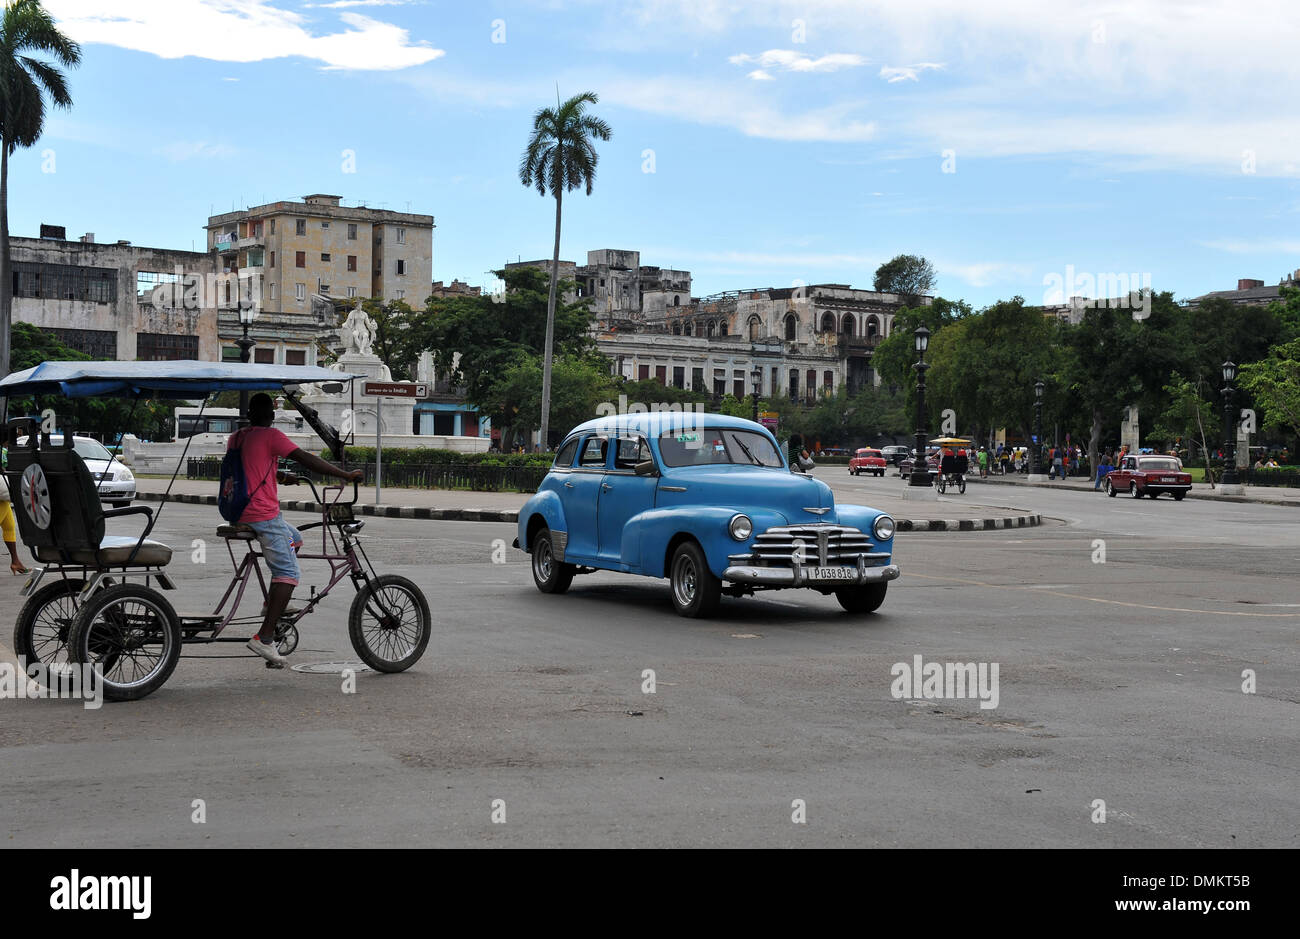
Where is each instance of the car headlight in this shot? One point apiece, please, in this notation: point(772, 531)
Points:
point(740, 527)
point(125, 475)
point(883, 528)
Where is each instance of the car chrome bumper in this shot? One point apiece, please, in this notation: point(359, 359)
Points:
point(795, 577)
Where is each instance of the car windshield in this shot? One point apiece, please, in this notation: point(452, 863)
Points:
point(1165, 464)
point(712, 445)
point(86, 448)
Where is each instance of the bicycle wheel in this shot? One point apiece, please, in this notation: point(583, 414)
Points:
point(45, 622)
point(132, 636)
point(389, 623)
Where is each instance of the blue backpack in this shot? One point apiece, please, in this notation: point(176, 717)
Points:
point(233, 497)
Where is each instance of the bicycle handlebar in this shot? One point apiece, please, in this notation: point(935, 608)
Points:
point(316, 493)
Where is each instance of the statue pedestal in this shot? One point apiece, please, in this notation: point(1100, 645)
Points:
point(396, 412)
point(920, 493)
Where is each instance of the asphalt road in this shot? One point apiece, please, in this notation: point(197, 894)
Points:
point(1118, 681)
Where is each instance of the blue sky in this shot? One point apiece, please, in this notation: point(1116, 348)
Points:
point(792, 141)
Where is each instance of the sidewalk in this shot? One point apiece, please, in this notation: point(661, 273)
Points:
point(956, 514)
point(1261, 495)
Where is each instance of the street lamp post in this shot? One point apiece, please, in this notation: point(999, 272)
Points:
point(1035, 452)
point(245, 343)
point(1229, 427)
point(756, 381)
point(920, 465)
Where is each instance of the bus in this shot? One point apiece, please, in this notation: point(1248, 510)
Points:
point(189, 421)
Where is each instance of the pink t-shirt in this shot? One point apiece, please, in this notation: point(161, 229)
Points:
point(260, 448)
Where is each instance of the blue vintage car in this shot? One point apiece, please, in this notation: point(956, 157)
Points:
point(707, 501)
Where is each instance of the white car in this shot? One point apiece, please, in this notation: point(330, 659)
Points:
point(114, 478)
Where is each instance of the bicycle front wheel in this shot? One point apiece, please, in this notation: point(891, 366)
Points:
point(389, 623)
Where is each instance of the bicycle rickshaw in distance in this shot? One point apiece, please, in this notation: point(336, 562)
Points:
point(953, 467)
point(104, 603)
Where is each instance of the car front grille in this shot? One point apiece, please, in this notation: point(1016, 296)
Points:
point(823, 545)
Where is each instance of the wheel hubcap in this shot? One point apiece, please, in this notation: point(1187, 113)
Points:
point(542, 560)
point(684, 581)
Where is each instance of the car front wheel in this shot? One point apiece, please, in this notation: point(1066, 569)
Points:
point(696, 591)
point(865, 599)
point(550, 575)
point(1110, 489)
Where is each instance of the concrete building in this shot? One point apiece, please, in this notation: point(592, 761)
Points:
point(119, 301)
point(456, 288)
point(1251, 292)
point(623, 292)
point(294, 250)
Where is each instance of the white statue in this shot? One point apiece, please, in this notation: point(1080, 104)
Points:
point(359, 332)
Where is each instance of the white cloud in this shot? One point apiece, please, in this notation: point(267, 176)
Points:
point(985, 273)
point(238, 31)
point(760, 76)
point(899, 73)
point(791, 61)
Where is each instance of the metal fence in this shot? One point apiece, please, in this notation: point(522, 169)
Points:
point(473, 476)
point(1269, 477)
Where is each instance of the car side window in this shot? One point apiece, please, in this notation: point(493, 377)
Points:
point(564, 459)
point(631, 451)
point(593, 451)
point(1130, 463)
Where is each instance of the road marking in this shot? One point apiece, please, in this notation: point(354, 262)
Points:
point(1077, 596)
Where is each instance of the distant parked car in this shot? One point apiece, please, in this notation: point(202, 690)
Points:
point(895, 454)
point(905, 467)
point(1149, 476)
point(706, 501)
point(115, 480)
point(867, 460)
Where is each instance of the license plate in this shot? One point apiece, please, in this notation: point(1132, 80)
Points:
point(834, 573)
point(1168, 479)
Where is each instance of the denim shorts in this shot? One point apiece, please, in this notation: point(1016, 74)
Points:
point(280, 544)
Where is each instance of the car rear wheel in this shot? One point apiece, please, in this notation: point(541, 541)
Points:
point(865, 599)
point(696, 591)
point(1133, 491)
point(550, 575)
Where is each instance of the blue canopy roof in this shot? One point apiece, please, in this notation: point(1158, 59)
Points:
point(183, 379)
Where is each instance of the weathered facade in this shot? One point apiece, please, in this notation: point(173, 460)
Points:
point(119, 301)
point(293, 251)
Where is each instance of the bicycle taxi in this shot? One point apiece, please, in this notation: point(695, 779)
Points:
point(952, 467)
point(101, 600)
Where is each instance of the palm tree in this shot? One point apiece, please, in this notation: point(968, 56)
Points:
point(25, 28)
point(560, 157)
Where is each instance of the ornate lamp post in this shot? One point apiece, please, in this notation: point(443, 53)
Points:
point(245, 343)
point(1035, 452)
point(756, 382)
point(1229, 426)
point(920, 465)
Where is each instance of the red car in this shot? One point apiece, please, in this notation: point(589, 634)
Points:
point(1149, 475)
point(867, 460)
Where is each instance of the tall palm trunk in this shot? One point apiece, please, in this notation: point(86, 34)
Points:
point(6, 278)
point(550, 328)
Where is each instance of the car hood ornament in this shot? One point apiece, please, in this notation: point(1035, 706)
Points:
point(816, 510)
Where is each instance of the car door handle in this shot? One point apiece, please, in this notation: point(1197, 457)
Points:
point(568, 485)
point(606, 486)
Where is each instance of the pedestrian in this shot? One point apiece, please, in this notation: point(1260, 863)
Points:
point(798, 457)
point(261, 446)
point(1103, 468)
point(9, 529)
point(984, 462)
point(1058, 462)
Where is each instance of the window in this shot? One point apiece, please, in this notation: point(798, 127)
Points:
point(352, 291)
point(630, 452)
point(738, 384)
point(325, 257)
point(677, 301)
point(755, 325)
point(722, 328)
point(687, 329)
point(96, 343)
point(273, 259)
point(324, 224)
point(873, 327)
point(677, 329)
point(401, 236)
point(275, 291)
point(399, 294)
point(679, 377)
point(300, 259)
point(352, 232)
point(790, 325)
point(718, 445)
point(828, 323)
point(272, 226)
point(145, 282)
point(352, 262)
point(564, 459)
point(401, 267)
point(323, 289)
point(709, 328)
point(697, 379)
point(295, 357)
point(661, 374)
point(593, 452)
point(602, 282)
point(300, 292)
point(164, 347)
point(848, 326)
point(643, 373)
point(264, 356)
point(300, 226)
point(230, 353)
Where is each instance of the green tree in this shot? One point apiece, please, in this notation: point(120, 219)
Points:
point(907, 275)
point(1275, 383)
point(28, 37)
point(579, 387)
point(561, 156)
point(1189, 417)
point(894, 356)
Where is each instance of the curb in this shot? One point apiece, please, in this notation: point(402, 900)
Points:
point(503, 515)
point(1194, 494)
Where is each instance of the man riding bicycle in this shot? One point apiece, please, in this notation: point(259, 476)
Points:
point(261, 447)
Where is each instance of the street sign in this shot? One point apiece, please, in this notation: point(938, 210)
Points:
point(769, 419)
point(395, 389)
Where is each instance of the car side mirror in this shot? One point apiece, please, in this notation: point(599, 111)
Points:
point(646, 469)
